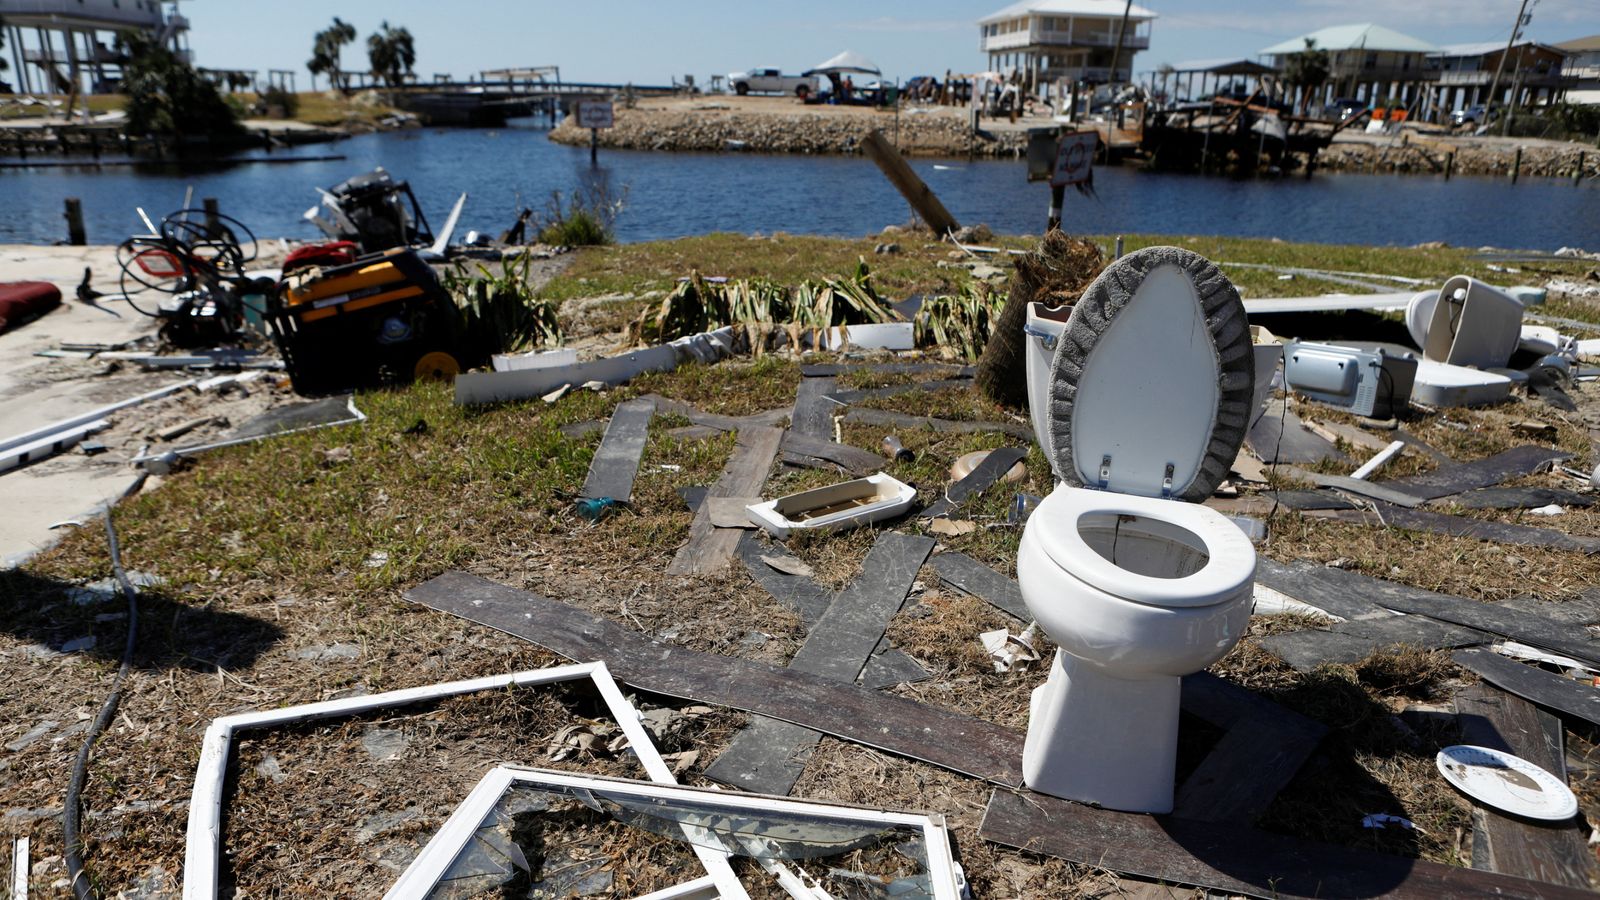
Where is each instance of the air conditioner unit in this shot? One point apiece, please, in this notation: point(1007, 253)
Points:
point(1365, 382)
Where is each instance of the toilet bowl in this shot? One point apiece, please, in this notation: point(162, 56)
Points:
point(1150, 391)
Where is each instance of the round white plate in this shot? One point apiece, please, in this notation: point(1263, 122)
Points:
point(1507, 783)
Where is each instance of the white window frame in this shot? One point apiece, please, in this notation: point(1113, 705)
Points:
point(435, 859)
point(204, 839)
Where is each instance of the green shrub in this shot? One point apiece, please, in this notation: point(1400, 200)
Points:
point(583, 218)
point(501, 313)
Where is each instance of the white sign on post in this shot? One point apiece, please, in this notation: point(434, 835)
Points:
point(1075, 158)
point(594, 114)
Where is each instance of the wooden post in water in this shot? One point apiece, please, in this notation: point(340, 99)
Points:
point(75, 233)
point(1058, 198)
point(594, 146)
point(213, 227)
point(1577, 171)
point(917, 193)
point(1449, 164)
point(1516, 165)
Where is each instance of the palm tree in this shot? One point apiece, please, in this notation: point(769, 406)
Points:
point(392, 54)
point(1165, 70)
point(325, 49)
point(1307, 70)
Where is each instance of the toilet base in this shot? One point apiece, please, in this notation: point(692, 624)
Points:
point(1094, 738)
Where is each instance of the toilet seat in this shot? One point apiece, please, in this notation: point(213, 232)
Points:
point(1230, 566)
point(1151, 384)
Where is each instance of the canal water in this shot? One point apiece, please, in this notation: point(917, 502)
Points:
point(675, 194)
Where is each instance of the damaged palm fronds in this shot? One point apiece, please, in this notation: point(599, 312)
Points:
point(768, 313)
point(1054, 275)
point(960, 323)
point(501, 312)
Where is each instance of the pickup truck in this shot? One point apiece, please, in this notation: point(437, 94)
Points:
point(771, 81)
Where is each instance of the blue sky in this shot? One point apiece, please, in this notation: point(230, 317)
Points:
point(649, 41)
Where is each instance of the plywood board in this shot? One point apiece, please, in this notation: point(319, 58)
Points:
point(856, 396)
point(1351, 642)
point(1279, 437)
point(1554, 852)
point(854, 460)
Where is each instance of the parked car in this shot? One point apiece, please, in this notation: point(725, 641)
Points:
point(771, 81)
point(1472, 115)
point(1343, 108)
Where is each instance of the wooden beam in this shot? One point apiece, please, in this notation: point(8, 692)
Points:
point(905, 180)
point(1481, 473)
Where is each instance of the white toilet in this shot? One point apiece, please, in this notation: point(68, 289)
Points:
point(1150, 392)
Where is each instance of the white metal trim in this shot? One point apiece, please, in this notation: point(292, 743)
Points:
point(204, 838)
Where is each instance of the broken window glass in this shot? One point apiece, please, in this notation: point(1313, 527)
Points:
point(571, 841)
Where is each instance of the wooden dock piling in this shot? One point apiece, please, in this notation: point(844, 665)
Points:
point(1516, 165)
point(75, 233)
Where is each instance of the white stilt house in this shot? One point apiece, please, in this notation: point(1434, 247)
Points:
point(52, 44)
point(1073, 40)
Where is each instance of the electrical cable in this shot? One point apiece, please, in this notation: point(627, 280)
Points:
point(72, 814)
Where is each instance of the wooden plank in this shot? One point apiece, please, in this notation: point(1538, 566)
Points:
point(962, 744)
point(850, 629)
point(969, 576)
point(891, 419)
point(616, 461)
point(1279, 437)
point(1463, 526)
point(1299, 580)
point(1351, 642)
point(1516, 498)
point(980, 479)
point(1497, 620)
point(693, 432)
point(1263, 748)
point(1304, 500)
point(1353, 486)
point(830, 370)
point(1487, 472)
point(766, 418)
point(813, 411)
point(1355, 437)
point(891, 666)
point(854, 460)
point(805, 597)
point(896, 389)
point(1235, 858)
point(579, 430)
point(1544, 688)
point(1554, 852)
point(709, 549)
point(1400, 434)
point(900, 174)
point(770, 759)
point(1583, 609)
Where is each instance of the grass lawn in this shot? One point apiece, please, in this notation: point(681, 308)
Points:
point(283, 564)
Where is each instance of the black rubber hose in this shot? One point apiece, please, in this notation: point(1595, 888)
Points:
point(71, 818)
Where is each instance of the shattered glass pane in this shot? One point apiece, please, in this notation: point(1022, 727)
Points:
point(551, 841)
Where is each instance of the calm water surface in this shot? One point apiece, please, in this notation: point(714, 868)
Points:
point(676, 194)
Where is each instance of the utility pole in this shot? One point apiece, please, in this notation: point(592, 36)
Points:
point(1122, 30)
point(1488, 103)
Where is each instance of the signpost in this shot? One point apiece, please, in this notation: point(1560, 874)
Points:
point(1074, 165)
point(595, 115)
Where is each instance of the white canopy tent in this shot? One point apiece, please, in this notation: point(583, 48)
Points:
point(848, 62)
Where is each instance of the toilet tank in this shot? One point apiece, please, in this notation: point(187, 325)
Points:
point(1473, 324)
